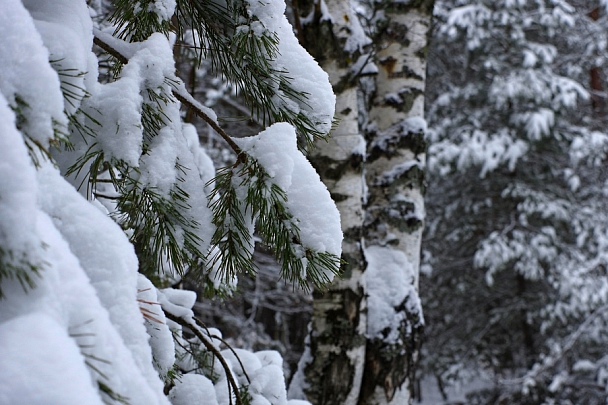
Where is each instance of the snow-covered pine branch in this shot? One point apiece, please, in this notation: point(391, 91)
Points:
point(104, 188)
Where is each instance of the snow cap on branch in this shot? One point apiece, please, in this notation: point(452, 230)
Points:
point(307, 197)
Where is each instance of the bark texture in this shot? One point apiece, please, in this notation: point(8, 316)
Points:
point(336, 347)
point(394, 212)
point(377, 182)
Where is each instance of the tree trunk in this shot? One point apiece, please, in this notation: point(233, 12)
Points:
point(332, 366)
point(596, 82)
point(394, 212)
point(352, 357)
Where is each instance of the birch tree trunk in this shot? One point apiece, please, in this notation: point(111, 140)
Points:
point(394, 211)
point(333, 363)
point(365, 329)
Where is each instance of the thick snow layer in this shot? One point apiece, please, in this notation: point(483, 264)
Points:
point(161, 338)
point(307, 197)
point(17, 192)
point(28, 82)
point(117, 106)
point(193, 389)
point(183, 298)
point(264, 375)
point(202, 161)
point(109, 261)
point(65, 295)
point(164, 9)
point(158, 165)
point(166, 298)
point(389, 284)
point(69, 39)
point(77, 19)
point(41, 364)
point(120, 134)
point(305, 74)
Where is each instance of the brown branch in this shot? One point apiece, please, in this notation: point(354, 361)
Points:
point(106, 47)
point(209, 346)
point(202, 325)
point(183, 96)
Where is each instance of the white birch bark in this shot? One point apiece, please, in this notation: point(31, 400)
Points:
point(331, 370)
point(365, 330)
point(394, 212)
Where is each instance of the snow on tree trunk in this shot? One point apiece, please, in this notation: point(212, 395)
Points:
point(332, 366)
point(394, 210)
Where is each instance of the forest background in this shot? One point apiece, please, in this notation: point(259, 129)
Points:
point(505, 302)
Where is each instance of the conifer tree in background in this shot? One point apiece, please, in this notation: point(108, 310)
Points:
point(517, 296)
point(107, 199)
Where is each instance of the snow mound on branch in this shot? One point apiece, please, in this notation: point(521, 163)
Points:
point(263, 372)
point(69, 39)
point(17, 191)
point(110, 268)
point(307, 197)
point(42, 368)
point(193, 389)
point(164, 9)
point(305, 74)
point(28, 82)
point(74, 321)
point(161, 337)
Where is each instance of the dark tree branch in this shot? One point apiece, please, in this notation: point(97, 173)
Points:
point(209, 346)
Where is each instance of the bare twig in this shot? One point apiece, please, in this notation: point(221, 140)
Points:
point(209, 346)
point(106, 47)
point(202, 325)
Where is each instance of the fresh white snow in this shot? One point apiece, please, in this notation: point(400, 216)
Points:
point(91, 323)
point(307, 197)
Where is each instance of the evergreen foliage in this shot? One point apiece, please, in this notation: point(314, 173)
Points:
point(153, 219)
point(515, 293)
point(117, 192)
point(250, 197)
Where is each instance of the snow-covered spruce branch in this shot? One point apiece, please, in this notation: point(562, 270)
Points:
point(179, 93)
point(196, 330)
point(552, 359)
